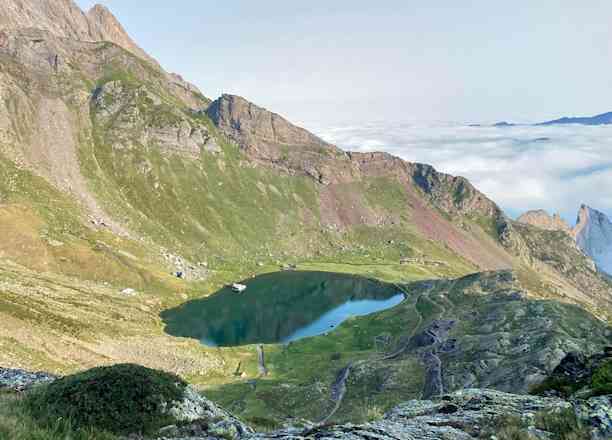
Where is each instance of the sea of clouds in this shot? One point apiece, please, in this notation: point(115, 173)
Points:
point(556, 168)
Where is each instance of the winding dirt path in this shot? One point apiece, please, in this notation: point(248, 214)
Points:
point(339, 387)
point(261, 361)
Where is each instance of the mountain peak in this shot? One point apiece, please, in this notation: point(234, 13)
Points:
point(258, 129)
point(105, 27)
point(594, 236)
point(64, 18)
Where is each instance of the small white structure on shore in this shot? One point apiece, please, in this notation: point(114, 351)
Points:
point(239, 288)
point(128, 292)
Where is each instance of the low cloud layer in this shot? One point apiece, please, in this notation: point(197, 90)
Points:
point(521, 168)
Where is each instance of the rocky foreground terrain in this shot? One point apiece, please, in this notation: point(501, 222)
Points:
point(465, 414)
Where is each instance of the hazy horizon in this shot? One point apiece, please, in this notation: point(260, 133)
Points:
point(350, 61)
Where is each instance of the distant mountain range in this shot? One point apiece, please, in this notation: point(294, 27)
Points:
point(601, 119)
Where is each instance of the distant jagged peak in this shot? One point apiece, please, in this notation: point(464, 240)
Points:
point(543, 220)
point(593, 233)
point(586, 214)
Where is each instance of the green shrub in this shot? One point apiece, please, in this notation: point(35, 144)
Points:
point(121, 399)
point(265, 424)
point(16, 423)
point(563, 386)
point(563, 425)
point(601, 382)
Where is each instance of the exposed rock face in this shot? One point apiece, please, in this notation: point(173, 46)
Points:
point(64, 18)
point(263, 134)
point(594, 236)
point(543, 220)
point(202, 418)
point(19, 380)
point(457, 416)
point(596, 412)
point(137, 116)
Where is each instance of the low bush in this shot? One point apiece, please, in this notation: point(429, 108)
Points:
point(120, 399)
point(601, 382)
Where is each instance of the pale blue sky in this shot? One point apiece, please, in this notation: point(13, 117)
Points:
point(353, 61)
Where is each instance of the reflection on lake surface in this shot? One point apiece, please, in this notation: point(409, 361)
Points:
point(280, 307)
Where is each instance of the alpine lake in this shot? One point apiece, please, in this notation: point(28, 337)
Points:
point(280, 307)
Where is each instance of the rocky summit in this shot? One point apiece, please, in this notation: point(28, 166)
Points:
point(128, 195)
point(542, 219)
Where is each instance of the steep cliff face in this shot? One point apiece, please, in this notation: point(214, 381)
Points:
point(594, 236)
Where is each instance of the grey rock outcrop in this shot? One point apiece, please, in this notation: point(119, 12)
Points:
point(457, 416)
point(200, 418)
point(259, 130)
point(137, 116)
point(64, 19)
point(594, 236)
point(19, 380)
point(596, 413)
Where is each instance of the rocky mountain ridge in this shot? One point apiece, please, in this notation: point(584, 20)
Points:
point(543, 220)
point(592, 232)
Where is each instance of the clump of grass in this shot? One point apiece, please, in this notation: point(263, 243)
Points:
point(263, 424)
point(507, 428)
point(121, 399)
point(561, 425)
point(16, 423)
